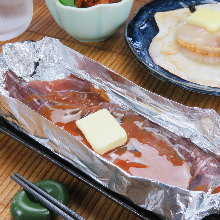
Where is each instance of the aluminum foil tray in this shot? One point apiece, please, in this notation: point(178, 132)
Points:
point(199, 129)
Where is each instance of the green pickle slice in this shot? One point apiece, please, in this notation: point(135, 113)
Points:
point(68, 3)
point(24, 207)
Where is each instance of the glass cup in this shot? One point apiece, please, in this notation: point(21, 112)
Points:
point(15, 17)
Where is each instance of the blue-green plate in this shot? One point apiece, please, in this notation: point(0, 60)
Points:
point(140, 31)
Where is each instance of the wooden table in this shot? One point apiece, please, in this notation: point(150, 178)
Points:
point(114, 54)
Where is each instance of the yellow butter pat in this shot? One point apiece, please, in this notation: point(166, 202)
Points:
point(205, 18)
point(102, 131)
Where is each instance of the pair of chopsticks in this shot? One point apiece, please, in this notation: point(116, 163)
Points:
point(46, 199)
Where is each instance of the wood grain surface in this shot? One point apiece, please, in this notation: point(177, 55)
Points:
point(114, 54)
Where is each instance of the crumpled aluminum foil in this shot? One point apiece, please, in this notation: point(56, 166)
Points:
point(47, 60)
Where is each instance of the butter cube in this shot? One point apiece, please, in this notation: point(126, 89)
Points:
point(102, 131)
point(205, 18)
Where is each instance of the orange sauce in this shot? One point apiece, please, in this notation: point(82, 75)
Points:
point(216, 190)
point(149, 155)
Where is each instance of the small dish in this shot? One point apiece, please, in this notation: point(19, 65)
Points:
point(140, 31)
point(91, 24)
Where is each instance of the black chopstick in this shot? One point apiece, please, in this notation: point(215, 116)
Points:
point(192, 6)
point(46, 199)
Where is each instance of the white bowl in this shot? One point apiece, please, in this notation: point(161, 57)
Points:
point(95, 23)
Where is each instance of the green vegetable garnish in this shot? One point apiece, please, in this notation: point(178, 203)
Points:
point(68, 3)
point(24, 207)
